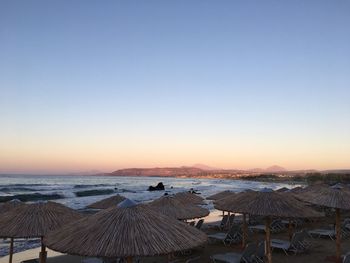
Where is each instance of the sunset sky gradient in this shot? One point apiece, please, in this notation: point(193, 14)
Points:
point(232, 84)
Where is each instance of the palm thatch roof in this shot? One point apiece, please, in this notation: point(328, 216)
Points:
point(35, 220)
point(296, 189)
point(283, 189)
point(125, 232)
point(189, 198)
point(314, 187)
point(108, 202)
point(266, 203)
point(171, 206)
point(220, 195)
point(334, 197)
point(5, 207)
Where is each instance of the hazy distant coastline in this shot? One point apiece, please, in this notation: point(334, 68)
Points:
point(275, 173)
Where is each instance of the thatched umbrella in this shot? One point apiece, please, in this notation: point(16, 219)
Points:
point(283, 189)
point(220, 195)
point(267, 203)
point(108, 202)
point(337, 197)
point(5, 207)
point(189, 198)
point(125, 231)
point(171, 206)
point(35, 220)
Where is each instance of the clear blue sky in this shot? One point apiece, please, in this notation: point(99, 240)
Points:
point(111, 84)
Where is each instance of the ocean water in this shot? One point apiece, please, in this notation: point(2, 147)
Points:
point(68, 187)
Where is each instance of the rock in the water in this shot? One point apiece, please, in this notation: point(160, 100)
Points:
point(159, 187)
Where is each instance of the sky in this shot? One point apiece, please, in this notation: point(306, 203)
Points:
point(105, 85)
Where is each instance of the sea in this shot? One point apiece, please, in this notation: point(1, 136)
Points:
point(79, 191)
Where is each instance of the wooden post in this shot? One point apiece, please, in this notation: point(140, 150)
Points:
point(268, 240)
point(43, 253)
point(244, 240)
point(228, 221)
point(11, 250)
point(129, 259)
point(290, 229)
point(338, 234)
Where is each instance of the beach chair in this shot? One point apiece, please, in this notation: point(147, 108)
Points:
point(221, 225)
point(275, 227)
point(199, 224)
point(296, 245)
point(223, 222)
point(231, 220)
point(192, 223)
point(246, 256)
point(346, 258)
point(260, 253)
point(234, 235)
point(322, 233)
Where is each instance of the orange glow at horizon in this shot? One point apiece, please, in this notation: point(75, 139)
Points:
point(109, 154)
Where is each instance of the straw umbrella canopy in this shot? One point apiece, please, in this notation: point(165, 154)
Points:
point(283, 189)
point(171, 206)
point(108, 202)
point(295, 189)
point(337, 197)
point(5, 207)
point(35, 220)
point(266, 203)
point(220, 195)
point(189, 198)
point(125, 231)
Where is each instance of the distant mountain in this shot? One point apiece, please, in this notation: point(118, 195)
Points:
point(167, 171)
point(256, 170)
point(271, 169)
point(275, 168)
point(204, 167)
point(337, 171)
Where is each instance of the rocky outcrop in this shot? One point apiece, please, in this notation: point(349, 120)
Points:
point(158, 187)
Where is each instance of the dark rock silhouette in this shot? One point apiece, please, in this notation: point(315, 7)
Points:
point(159, 187)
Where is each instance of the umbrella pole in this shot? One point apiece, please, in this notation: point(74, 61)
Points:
point(129, 259)
point(228, 221)
point(268, 240)
point(244, 240)
point(337, 225)
point(290, 229)
point(43, 253)
point(11, 250)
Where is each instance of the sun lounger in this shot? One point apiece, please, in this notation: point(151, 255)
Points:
point(246, 256)
point(331, 233)
point(322, 233)
point(234, 235)
point(231, 220)
point(276, 226)
point(222, 224)
point(296, 245)
point(199, 224)
point(260, 252)
point(346, 258)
